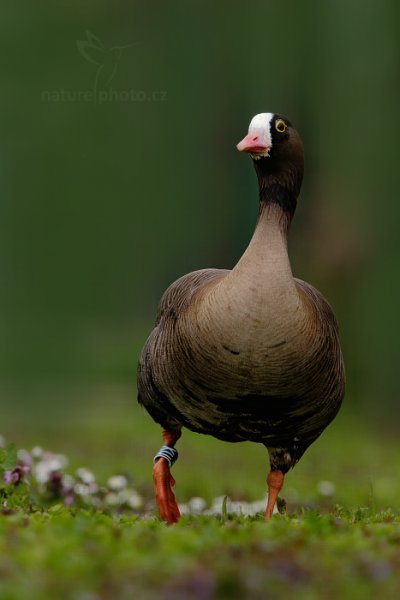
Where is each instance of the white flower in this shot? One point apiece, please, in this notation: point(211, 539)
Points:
point(44, 468)
point(134, 499)
point(37, 452)
point(49, 463)
point(197, 505)
point(112, 499)
point(238, 507)
point(184, 509)
point(68, 481)
point(117, 483)
point(85, 476)
point(81, 489)
point(57, 462)
point(86, 489)
point(326, 488)
point(24, 457)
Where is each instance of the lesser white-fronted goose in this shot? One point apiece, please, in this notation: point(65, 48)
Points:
point(251, 353)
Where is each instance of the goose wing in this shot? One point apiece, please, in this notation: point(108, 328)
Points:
point(178, 297)
point(175, 301)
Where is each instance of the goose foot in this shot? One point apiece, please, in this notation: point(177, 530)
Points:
point(275, 483)
point(163, 481)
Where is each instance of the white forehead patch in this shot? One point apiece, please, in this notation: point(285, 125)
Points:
point(262, 122)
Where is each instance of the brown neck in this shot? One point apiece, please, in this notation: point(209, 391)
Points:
point(267, 250)
point(261, 283)
point(272, 212)
point(279, 185)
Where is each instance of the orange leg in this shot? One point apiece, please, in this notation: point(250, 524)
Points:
point(164, 482)
point(275, 484)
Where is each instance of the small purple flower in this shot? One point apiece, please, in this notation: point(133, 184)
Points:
point(69, 499)
point(16, 475)
point(8, 477)
point(55, 484)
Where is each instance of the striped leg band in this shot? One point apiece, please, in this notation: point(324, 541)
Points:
point(167, 452)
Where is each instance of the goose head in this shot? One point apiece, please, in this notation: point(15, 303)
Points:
point(276, 150)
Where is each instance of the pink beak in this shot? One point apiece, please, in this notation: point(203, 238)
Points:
point(252, 143)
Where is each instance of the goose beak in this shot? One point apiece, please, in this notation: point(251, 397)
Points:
point(253, 143)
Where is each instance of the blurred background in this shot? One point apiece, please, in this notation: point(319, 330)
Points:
point(119, 173)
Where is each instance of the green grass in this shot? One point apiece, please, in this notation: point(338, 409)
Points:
point(57, 554)
point(340, 544)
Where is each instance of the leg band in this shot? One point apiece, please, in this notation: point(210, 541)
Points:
point(167, 452)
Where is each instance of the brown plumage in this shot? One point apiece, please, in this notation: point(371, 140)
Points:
point(251, 353)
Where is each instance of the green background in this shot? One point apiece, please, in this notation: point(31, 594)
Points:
point(119, 173)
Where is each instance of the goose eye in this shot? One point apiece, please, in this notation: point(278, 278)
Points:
point(280, 125)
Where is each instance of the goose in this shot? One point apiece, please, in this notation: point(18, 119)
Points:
point(248, 354)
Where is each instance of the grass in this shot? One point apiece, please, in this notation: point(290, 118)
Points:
point(85, 555)
point(340, 537)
